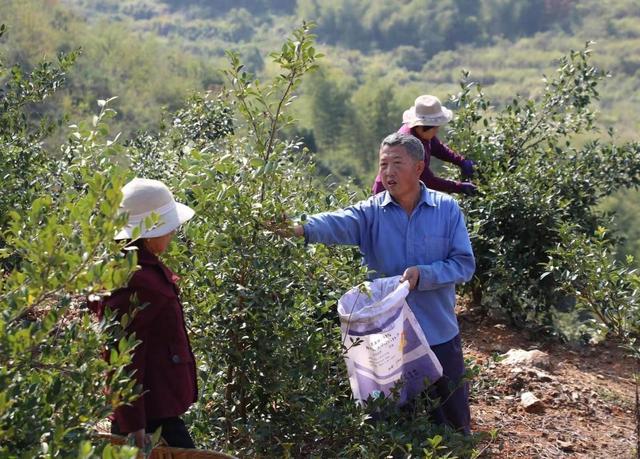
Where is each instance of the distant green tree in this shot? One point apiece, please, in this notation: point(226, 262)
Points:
point(515, 19)
point(378, 114)
point(337, 21)
point(331, 112)
point(467, 26)
point(146, 73)
point(410, 57)
point(223, 6)
point(432, 26)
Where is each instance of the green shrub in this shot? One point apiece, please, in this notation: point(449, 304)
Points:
point(533, 179)
point(585, 267)
point(52, 377)
point(261, 308)
point(58, 215)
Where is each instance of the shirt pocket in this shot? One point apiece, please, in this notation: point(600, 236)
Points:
point(432, 249)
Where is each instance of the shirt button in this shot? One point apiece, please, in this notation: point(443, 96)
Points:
point(175, 358)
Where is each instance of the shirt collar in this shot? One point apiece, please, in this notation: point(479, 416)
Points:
point(426, 197)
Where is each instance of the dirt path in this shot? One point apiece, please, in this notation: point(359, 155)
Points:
point(587, 395)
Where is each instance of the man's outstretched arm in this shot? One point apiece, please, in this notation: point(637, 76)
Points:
point(341, 227)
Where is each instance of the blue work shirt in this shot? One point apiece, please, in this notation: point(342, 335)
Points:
point(434, 238)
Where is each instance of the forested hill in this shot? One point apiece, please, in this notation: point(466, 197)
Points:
point(406, 47)
point(398, 48)
point(379, 55)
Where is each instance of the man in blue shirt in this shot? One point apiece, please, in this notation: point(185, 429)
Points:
point(419, 233)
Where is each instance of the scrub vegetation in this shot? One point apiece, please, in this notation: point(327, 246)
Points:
point(248, 138)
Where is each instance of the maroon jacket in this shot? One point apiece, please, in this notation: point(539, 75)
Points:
point(439, 150)
point(164, 361)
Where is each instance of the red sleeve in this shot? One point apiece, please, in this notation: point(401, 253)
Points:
point(443, 152)
point(132, 417)
point(377, 185)
point(440, 184)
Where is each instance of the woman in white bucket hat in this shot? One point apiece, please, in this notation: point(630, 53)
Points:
point(163, 362)
point(422, 120)
point(143, 197)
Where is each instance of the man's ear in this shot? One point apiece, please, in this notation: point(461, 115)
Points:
point(420, 165)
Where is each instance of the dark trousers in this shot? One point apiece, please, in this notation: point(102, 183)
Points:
point(454, 395)
point(174, 432)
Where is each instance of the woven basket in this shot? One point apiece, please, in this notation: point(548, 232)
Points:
point(168, 452)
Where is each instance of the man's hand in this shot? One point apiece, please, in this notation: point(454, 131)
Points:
point(412, 275)
point(283, 227)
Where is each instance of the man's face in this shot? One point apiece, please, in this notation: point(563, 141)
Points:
point(400, 173)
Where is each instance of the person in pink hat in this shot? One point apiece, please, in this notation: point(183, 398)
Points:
point(423, 121)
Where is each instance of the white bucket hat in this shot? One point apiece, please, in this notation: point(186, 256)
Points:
point(143, 197)
point(427, 111)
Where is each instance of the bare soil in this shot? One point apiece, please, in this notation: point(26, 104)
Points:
point(587, 394)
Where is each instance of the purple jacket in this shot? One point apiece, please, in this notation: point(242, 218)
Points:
point(439, 150)
point(163, 361)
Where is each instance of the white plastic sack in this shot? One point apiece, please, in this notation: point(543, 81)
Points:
point(393, 347)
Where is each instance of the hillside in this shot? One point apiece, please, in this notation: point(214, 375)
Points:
point(506, 46)
point(587, 395)
point(152, 53)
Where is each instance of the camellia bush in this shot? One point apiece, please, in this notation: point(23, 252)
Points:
point(58, 215)
point(537, 174)
point(541, 245)
point(261, 307)
point(544, 257)
point(52, 376)
point(584, 267)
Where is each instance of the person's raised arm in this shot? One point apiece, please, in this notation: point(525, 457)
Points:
point(444, 153)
